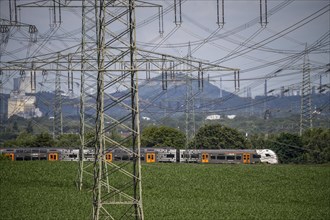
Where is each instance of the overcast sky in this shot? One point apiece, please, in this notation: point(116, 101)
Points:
point(241, 43)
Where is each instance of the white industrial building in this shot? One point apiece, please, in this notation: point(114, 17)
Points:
point(22, 101)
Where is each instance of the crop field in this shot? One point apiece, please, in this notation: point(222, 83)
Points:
point(46, 190)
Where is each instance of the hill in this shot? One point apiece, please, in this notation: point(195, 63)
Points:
point(155, 102)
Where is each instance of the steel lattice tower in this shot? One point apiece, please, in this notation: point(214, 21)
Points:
point(306, 100)
point(125, 191)
point(88, 82)
point(108, 60)
point(58, 123)
point(189, 109)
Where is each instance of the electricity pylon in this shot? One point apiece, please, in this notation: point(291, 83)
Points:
point(126, 194)
point(58, 123)
point(108, 61)
point(306, 99)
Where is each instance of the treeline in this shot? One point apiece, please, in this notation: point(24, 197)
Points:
point(312, 147)
point(25, 139)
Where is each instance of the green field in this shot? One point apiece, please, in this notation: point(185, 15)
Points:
point(46, 190)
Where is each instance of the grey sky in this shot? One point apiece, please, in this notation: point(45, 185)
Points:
point(242, 42)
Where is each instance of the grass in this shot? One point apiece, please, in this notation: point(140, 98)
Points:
point(46, 190)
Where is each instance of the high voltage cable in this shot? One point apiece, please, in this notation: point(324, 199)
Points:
point(228, 33)
point(280, 34)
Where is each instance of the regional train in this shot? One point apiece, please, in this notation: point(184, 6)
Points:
point(148, 155)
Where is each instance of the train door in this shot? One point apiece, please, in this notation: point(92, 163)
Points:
point(10, 155)
point(246, 158)
point(53, 156)
point(108, 157)
point(151, 157)
point(205, 157)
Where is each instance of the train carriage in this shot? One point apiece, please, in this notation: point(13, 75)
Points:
point(188, 156)
point(149, 155)
point(236, 156)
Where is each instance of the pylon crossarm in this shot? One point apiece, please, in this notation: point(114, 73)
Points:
point(183, 60)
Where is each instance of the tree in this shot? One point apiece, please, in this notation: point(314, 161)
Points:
point(15, 126)
point(289, 148)
point(68, 141)
point(44, 140)
point(317, 142)
point(29, 128)
point(162, 136)
point(217, 136)
point(23, 140)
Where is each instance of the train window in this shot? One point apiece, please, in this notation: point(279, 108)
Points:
point(230, 157)
point(238, 157)
point(125, 157)
point(26, 157)
point(88, 155)
point(170, 155)
point(194, 156)
point(213, 157)
point(256, 156)
point(221, 157)
point(267, 155)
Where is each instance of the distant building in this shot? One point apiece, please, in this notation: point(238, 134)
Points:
point(21, 104)
point(231, 116)
point(213, 117)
